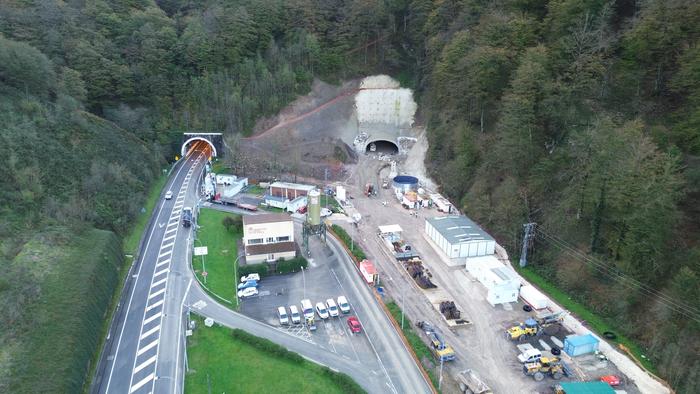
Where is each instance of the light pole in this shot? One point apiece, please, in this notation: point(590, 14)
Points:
point(204, 268)
point(235, 278)
point(402, 299)
point(440, 381)
point(303, 278)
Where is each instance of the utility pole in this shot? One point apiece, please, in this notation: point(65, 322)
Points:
point(527, 239)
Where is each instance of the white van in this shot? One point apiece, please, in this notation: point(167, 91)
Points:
point(294, 312)
point(306, 308)
point(282, 314)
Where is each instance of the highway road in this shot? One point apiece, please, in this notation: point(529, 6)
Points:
point(144, 351)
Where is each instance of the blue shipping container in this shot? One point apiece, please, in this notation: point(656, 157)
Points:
point(576, 345)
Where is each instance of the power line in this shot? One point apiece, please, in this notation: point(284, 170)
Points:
point(631, 283)
point(626, 280)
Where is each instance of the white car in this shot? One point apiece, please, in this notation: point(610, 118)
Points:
point(294, 313)
point(247, 292)
point(326, 212)
point(248, 277)
point(530, 356)
point(332, 308)
point(307, 309)
point(282, 314)
point(343, 304)
point(168, 195)
point(321, 310)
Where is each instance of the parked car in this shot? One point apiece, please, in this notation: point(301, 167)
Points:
point(294, 313)
point(168, 195)
point(247, 292)
point(354, 324)
point(282, 314)
point(321, 310)
point(530, 356)
point(332, 308)
point(343, 304)
point(611, 380)
point(250, 283)
point(248, 277)
point(306, 308)
point(326, 212)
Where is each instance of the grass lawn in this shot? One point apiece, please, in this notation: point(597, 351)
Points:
point(419, 347)
point(222, 363)
point(256, 190)
point(593, 321)
point(131, 241)
point(218, 167)
point(222, 252)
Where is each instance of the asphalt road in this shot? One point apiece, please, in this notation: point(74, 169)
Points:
point(142, 351)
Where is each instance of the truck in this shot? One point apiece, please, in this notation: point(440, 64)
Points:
point(442, 351)
point(469, 382)
point(187, 216)
point(369, 273)
point(370, 190)
point(219, 199)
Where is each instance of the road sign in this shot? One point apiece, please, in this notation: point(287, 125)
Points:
point(201, 251)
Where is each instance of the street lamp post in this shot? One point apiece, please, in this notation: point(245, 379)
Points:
point(304, 280)
point(235, 278)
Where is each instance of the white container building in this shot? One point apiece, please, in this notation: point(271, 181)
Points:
point(533, 297)
point(459, 237)
point(500, 280)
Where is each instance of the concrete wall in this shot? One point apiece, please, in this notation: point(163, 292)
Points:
point(265, 231)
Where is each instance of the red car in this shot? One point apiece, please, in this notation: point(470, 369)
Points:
point(354, 324)
point(611, 380)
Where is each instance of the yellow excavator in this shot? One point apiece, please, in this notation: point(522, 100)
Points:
point(545, 366)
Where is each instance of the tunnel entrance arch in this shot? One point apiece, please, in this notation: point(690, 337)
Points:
point(215, 141)
point(382, 146)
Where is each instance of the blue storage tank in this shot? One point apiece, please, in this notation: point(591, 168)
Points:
point(576, 345)
point(405, 183)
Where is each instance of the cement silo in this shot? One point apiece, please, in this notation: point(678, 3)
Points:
point(314, 208)
point(405, 183)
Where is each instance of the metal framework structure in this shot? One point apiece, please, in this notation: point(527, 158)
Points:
point(308, 230)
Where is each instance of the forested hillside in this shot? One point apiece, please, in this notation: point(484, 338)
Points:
point(580, 115)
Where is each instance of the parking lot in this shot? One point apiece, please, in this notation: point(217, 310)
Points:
point(324, 279)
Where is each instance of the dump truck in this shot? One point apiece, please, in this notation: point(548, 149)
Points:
point(469, 382)
point(440, 348)
point(551, 366)
point(370, 190)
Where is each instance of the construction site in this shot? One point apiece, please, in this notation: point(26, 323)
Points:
point(454, 283)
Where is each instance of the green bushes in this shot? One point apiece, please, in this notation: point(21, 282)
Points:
point(344, 382)
point(266, 345)
point(347, 240)
point(293, 265)
point(233, 224)
point(260, 269)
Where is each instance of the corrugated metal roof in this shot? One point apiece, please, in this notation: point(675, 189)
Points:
point(586, 388)
point(579, 340)
point(459, 229)
point(289, 185)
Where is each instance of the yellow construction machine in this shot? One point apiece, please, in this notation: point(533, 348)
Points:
point(529, 328)
point(551, 366)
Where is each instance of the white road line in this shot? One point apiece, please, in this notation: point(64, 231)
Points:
point(165, 254)
point(147, 347)
point(150, 319)
point(133, 290)
point(179, 343)
point(166, 261)
point(157, 293)
point(155, 305)
point(171, 230)
point(142, 382)
point(145, 364)
point(167, 246)
point(170, 237)
point(149, 332)
point(159, 282)
point(161, 272)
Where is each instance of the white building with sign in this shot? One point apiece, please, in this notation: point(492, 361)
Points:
point(268, 237)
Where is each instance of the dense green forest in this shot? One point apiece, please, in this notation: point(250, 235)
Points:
point(580, 115)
